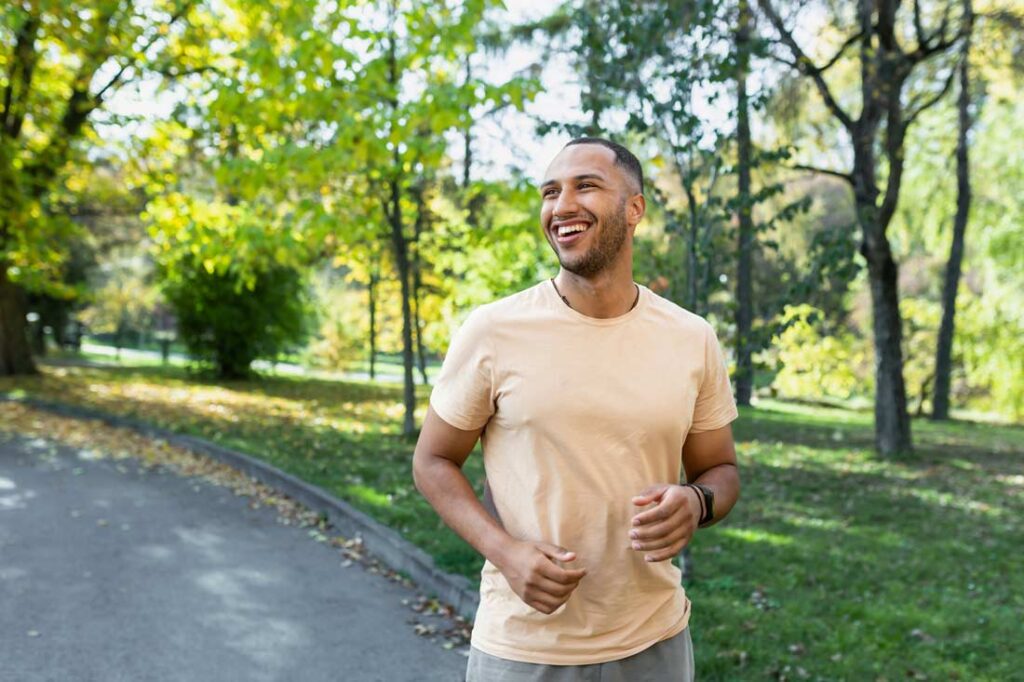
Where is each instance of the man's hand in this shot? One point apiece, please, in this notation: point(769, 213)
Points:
point(531, 572)
point(662, 532)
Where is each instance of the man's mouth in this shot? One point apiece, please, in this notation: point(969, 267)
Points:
point(566, 233)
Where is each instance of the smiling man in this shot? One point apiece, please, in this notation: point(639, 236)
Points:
point(591, 394)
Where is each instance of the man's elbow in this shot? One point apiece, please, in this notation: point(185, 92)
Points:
point(419, 470)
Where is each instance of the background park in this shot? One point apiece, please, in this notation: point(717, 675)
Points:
point(260, 222)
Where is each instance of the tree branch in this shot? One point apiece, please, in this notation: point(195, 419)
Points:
point(926, 47)
point(914, 112)
point(846, 177)
point(805, 66)
point(22, 67)
point(922, 39)
point(849, 41)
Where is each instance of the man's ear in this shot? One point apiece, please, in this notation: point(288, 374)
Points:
point(636, 207)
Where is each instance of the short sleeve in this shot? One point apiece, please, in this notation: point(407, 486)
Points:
point(463, 393)
point(715, 406)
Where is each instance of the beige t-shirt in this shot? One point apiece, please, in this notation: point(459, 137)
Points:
point(582, 414)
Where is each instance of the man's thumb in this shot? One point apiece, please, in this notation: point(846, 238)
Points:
point(555, 552)
point(648, 495)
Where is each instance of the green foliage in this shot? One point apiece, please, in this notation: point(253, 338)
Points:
point(812, 361)
point(63, 61)
point(230, 326)
point(990, 346)
point(341, 336)
point(122, 297)
point(232, 274)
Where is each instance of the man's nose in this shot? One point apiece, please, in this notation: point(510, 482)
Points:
point(566, 204)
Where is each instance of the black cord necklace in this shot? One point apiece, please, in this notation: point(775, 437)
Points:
point(566, 301)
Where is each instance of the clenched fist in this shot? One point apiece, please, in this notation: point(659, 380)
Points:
point(532, 572)
point(663, 531)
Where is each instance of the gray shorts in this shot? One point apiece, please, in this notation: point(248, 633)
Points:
point(670, 660)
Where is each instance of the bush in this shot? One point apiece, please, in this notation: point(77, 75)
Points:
point(814, 362)
point(228, 324)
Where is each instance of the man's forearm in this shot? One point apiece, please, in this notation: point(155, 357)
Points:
point(447, 489)
point(724, 481)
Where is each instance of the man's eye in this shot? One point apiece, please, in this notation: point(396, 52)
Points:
point(585, 185)
point(549, 192)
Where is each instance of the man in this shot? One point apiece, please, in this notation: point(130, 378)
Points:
point(589, 391)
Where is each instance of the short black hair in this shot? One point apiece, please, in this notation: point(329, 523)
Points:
point(623, 157)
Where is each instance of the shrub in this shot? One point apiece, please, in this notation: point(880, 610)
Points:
point(814, 362)
point(229, 324)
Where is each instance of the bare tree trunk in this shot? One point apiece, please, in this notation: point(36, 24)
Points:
point(421, 218)
point(15, 352)
point(37, 334)
point(744, 289)
point(892, 422)
point(400, 245)
point(467, 135)
point(944, 350)
point(374, 281)
point(692, 265)
point(418, 322)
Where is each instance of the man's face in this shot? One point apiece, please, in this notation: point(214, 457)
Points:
point(587, 208)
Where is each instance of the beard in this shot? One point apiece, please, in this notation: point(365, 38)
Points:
point(606, 247)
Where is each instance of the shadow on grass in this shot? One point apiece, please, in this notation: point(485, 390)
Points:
point(827, 571)
point(835, 428)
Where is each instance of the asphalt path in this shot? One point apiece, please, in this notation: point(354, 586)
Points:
point(110, 571)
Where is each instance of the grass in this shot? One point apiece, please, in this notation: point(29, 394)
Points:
point(836, 564)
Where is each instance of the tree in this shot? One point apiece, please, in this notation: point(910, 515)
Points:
point(951, 281)
point(66, 61)
point(233, 275)
point(230, 325)
point(889, 106)
point(744, 151)
point(400, 140)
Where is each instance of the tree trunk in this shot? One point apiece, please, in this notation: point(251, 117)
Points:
point(37, 333)
point(944, 349)
point(417, 283)
point(467, 135)
point(418, 322)
point(892, 422)
point(744, 290)
point(882, 79)
point(692, 274)
point(400, 245)
point(374, 279)
point(15, 353)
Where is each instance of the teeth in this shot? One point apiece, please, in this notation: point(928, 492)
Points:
point(568, 229)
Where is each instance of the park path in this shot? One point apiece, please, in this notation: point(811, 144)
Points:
point(110, 571)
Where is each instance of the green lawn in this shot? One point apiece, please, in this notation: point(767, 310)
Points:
point(835, 565)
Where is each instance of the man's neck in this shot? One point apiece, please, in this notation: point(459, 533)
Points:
point(603, 296)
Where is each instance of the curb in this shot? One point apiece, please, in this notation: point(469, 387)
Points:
point(384, 543)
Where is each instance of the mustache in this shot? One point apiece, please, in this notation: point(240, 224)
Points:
point(583, 213)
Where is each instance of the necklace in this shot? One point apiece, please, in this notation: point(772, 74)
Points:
point(566, 301)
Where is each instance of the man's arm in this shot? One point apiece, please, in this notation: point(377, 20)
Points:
point(709, 458)
point(529, 567)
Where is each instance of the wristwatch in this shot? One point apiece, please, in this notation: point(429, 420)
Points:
point(709, 503)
